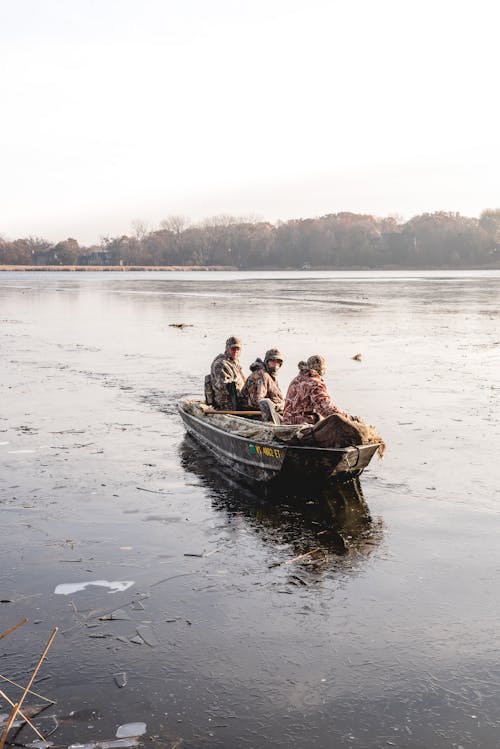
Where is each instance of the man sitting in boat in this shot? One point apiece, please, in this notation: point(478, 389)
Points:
point(261, 389)
point(307, 400)
point(227, 377)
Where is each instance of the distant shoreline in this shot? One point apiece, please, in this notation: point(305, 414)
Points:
point(146, 268)
point(125, 268)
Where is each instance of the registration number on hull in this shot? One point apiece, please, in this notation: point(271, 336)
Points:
point(265, 451)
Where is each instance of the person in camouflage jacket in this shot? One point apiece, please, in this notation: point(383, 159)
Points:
point(263, 383)
point(307, 400)
point(226, 369)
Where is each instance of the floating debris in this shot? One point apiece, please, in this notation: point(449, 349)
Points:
point(130, 730)
point(121, 679)
point(117, 743)
point(295, 559)
point(303, 556)
point(296, 580)
point(16, 707)
point(118, 615)
point(357, 357)
point(147, 635)
point(152, 491)
point(16, 626)
point(31, 691)
point(116, 586)
point(180, 325)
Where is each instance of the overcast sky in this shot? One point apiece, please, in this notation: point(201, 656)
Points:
point(118, 110)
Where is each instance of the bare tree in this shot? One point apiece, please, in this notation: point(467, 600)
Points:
point(140, 229)
point(176, 224)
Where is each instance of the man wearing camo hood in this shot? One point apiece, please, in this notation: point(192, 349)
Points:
point(307, 400)
point(227, 376)
point(262, 383)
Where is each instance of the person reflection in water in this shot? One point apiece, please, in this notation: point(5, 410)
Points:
point(227, 377)
point(307, 399)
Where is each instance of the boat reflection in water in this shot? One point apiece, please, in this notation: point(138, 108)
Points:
point(324, 523)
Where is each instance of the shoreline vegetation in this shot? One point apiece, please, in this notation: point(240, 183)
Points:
point(208, 269)
point(336, 241)
point(125, 268)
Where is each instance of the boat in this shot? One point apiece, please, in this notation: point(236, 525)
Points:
point(263, 455)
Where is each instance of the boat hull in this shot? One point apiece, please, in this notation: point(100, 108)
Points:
point(264, 463)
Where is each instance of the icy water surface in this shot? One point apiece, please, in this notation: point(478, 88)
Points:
point(174, 587)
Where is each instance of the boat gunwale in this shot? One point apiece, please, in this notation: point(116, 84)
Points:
point(287, 446)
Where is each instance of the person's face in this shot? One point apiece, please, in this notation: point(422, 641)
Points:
point(234, 352)
point(273, 365)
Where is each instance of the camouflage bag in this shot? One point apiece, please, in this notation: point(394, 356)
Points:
point(209, 391)
point(340, 430)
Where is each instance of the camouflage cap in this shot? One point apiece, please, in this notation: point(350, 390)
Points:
point(233, 341)
point(317, 362)
point(273, 353)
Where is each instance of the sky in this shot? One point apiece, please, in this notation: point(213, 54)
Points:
point(118, 111)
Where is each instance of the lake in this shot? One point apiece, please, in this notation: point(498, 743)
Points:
point(385, 637)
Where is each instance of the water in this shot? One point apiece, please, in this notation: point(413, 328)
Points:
point(384, 637)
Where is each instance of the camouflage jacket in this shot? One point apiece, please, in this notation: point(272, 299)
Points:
point(307, 395)
point(222, 371)
point(261, 384)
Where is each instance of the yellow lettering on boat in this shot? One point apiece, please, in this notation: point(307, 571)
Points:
point(267, 452)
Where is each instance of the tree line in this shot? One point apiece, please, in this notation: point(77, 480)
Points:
point(338, 240)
